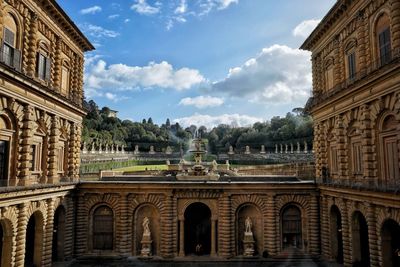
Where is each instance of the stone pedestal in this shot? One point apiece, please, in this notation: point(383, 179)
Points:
point(262, 149)
point(146, 246)
point(248, 245)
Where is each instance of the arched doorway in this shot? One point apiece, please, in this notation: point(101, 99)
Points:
point(34, 240)
point(58, 235)
point(252, 212)
point(6, 236)
point(336, 235)
point(360, 240)
point(197, 229)
point(390, 233)
point(103, 228)
point(291, 227)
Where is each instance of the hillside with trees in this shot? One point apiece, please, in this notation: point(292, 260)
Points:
point(99, 127)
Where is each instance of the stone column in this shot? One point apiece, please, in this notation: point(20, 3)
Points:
point(325, 226)
point(56, 73)
point(337, 65)
point(81, 233)
point(181, 237)
point(372, 235)
point(213, 252)
point(320, 74)
point(317, 148)
point(367, 143)
point(341, 148)
point(30, 45)
point(167, 228)
point(21, 235)
point(361, 27)
point(80, 81)
point(123, 238)
point(74, 94)
point(313, 244)
point(25, 142)
point(77, 156)
point(224, 227)
point(69, 227)
point(53, 155)
point(395, 16)
point(48, 234)
point(71, 152)
point(347, 244)
point(270, 230)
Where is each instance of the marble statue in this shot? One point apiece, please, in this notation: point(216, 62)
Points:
point(146, 239)
point(262, 149)
point(231, 151)
point(248, 240)
point(247, 151)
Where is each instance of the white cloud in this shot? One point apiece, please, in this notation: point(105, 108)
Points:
point(100, 76)
point(113, 16)
point(127, 20)
point(305, 28)
point(235, 120)
point(91, 10)
point(142, 7)
point(181, 9)
point(98, 31)
point(202, 101)
point(226, 3)
point(279, 74)
point(114, 97)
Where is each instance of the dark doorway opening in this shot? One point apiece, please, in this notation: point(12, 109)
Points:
point(291, 227)
point(30, 242)
point(1, 242)
point(3, 162)
point(58, 235)
point(360, 241)
point(336, 235)
point(390, 244)
point(198, 229)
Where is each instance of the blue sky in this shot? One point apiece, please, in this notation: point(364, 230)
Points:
point(198, 61)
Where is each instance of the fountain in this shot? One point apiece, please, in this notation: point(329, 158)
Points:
point(197, 170)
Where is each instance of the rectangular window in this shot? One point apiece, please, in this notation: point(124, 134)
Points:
point(357, 158)
point(385, 47)
point(3, 160)
point(64, 81)
point(351, 61)
point(61, 159)
point(43, 67)
point(329, 78)
point(10, 55)
point(334, 165)
point(33, 157)
point(391, 158)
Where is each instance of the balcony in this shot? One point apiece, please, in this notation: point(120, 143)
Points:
point(384, 63)
point(392, 185)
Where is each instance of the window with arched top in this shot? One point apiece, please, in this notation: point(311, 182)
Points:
point(43, 62)
point(10, 54)
point(103, 228)
point(351, 63)
point(7, 139)
point(389, 143)
point(383, 37)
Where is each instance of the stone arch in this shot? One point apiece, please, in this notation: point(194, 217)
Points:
point(34, 238)
point(291, 226)
point(6, 241)
point(350, 44)
point(8, 11)
point(336, 237)
point(252, 211)
point(59, 225)
point(102, 228)
point(360, 239)
point(209, 203)
point(383, 13)
point(390, 243)
point(152, 212)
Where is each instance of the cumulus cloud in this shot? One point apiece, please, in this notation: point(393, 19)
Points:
point(305, 28)
point(99, 75)
point(202, 101)
point(279, 74)
point(181, 8)
point(142, 7)
point(98, 31)
point(234, 120)
point(91, 10)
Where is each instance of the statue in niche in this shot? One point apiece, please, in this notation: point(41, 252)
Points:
point(248, 225)
point(146, 239)
point(146, 226)
point(248, 240)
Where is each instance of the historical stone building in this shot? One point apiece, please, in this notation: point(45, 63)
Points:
point(41, 92)
point(351, 215)
point(356, 109)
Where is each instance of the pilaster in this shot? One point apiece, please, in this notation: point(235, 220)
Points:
point(347, 246)
point(25, 142)
point(69, 227)
point(341, 147)
point(122, 232)
point(271, 231)
point(224, 227)
point(325, 233)
point(395, 17)
point(53, 155)
point(71, 152)
point(21, 235)
point(314, 244)
point(367, 143)
point(372, 236)
point(48, 234)
point(167, 228)
point(30, 43)
point(81, 229)
point(361, 32)
point(56, 73)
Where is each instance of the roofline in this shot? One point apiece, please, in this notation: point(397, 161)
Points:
point(332, 15)
point(85, 43)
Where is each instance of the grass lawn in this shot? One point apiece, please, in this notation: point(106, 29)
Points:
point(143, 168)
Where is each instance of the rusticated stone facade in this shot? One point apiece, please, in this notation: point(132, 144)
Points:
point(41, 93)
point(356, 110)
